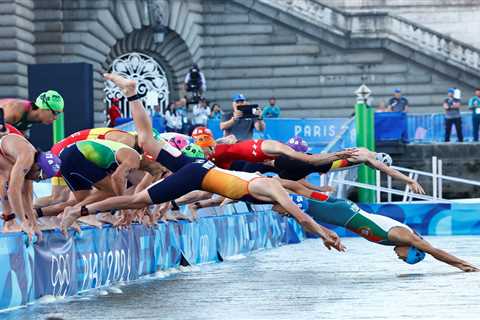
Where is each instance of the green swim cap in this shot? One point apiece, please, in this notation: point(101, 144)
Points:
point(50, 100)
point(156, 134)
point(193, 151)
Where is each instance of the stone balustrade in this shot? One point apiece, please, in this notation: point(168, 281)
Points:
point(381, 24)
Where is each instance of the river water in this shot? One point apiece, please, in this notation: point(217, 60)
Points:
point(303, 281)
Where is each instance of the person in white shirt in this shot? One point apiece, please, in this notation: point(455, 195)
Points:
point(201, 112)
point(173, 121)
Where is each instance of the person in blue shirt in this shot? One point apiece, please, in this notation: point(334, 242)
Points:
point(474, 105)
point(271, 110)
point(398, 103)
point(216, 112)
point(452, 105)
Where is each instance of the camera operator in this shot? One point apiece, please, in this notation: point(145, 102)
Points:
point(195, 83)
point(239, 124)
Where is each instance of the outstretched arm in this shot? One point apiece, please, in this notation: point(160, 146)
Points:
point(442, 255)
point(414, 185)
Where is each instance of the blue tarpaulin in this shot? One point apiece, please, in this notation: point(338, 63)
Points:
point(391, 126)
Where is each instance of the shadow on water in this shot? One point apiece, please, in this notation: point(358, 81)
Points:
point(429, 275)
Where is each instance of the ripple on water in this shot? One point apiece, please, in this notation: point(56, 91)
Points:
point(300, 282)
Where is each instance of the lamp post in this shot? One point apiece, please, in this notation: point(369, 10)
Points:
point(364, 123)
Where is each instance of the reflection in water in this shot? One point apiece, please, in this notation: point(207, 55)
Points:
point(298, 282)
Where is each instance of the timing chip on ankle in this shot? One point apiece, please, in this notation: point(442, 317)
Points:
point(84, 211)
point(8, 217)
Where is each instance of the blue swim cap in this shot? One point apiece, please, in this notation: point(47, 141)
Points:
point(238, 97)
point(414, 255)
point(300, 201)
point(451, 90)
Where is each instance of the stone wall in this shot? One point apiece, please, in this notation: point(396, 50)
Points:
point(455, 18)
point(256, 47)
point(459, 160)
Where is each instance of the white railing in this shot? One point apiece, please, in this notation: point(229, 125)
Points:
point(436, 175)
point(383, 25)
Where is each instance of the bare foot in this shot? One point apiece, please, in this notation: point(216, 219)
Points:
point(170, 216)
point(128, 86)
point(11, 226)
point(91, 221)
point(69, 217)
point(106, 217)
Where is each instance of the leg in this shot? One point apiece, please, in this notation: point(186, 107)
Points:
point(136, 201)
point(475, 125)
point(458, 128)
point(265, 188)
point(140, 116)
point(298, 188)
point(60, 193)
point(448, 129)
point(275, 148)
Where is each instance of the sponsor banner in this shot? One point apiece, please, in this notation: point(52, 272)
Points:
point(314, 131)
point(99, 257)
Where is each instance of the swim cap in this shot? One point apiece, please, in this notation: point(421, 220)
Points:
point(384, 158)
point(300, 201)
point(199, 131)
point(193, 151)
point(205, 141)
point(414, 255)
point(178, 142)
point(50, 100)
point(297, 144)
point(239, 97)
point(155, 133)
point(48, 163)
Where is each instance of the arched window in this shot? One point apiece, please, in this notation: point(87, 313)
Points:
point(149, 74)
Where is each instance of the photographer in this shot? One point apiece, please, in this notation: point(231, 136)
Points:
point(195, 81)
point(241, 123)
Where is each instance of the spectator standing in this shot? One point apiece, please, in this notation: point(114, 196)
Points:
point(201, 112)
point(452, 105)
point(114, 112)
point(474, 105)
point(216, 113)
point(381, 107)
point(242, 127)
point(182, 112)
point(173, 122)
point(398, 103)
point(271, 110)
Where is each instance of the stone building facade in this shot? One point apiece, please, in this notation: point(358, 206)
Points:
point(309, 55)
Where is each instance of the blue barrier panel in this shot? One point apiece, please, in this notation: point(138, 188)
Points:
point(99, 257)
point(427, 128)
point(314, 131)
point(390, 126)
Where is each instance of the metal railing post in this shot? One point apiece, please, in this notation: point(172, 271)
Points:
point(407, 189)
point(440, 178)
point(434, 177)
point(379, 184)
point(389, 186)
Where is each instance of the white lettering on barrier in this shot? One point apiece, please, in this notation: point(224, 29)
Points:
point(60, 274)
point(204, 248)
point(115, 263)
point(314, 131)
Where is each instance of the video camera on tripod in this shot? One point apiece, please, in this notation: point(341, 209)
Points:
point(194, 85)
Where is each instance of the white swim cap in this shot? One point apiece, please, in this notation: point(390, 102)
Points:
point(384, 158)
